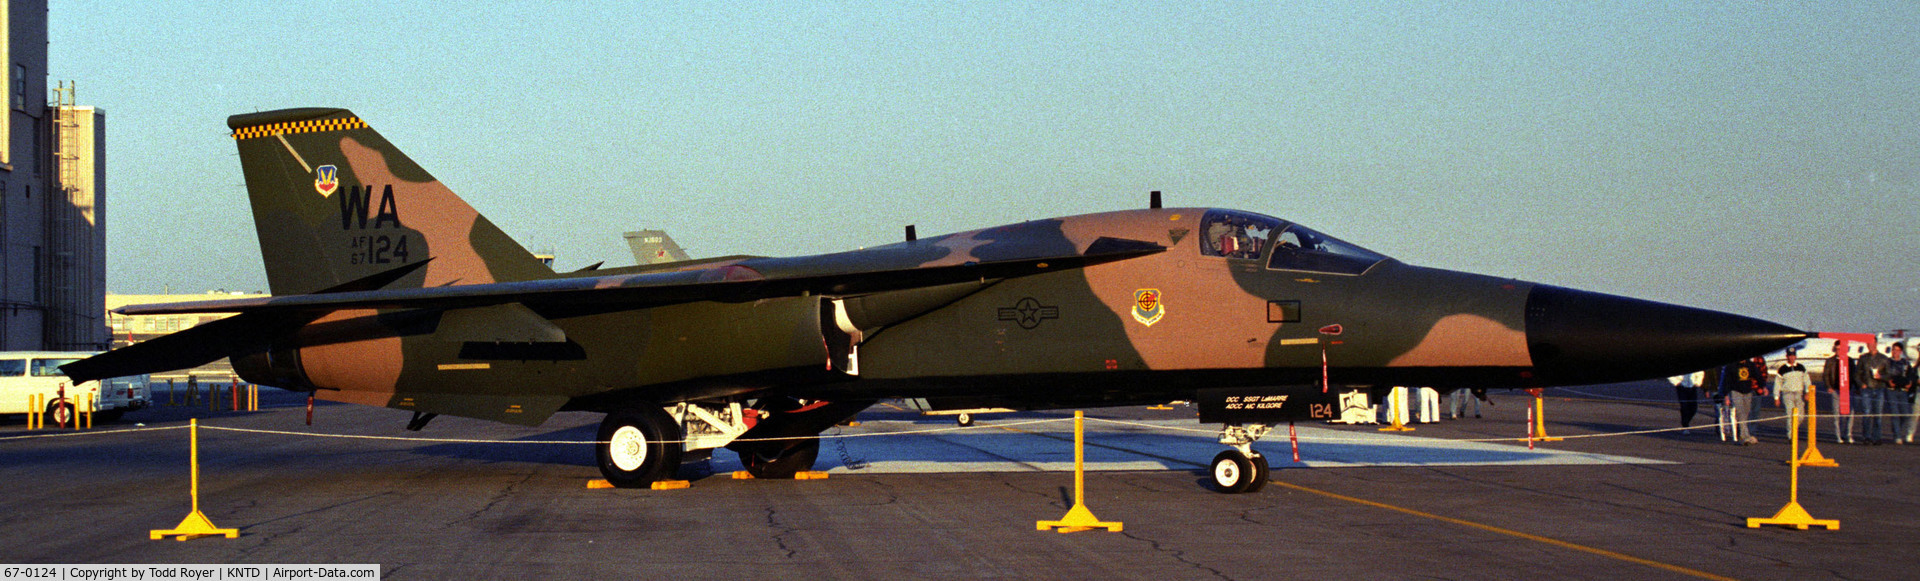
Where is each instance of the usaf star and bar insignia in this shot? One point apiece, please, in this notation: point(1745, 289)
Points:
point(1028, 313)
point(1147, 306)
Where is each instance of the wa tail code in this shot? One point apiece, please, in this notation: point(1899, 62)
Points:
point(354, 205)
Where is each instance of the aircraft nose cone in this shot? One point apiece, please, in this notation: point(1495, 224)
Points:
point(1577, 337)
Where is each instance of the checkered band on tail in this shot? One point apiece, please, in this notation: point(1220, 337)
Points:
point(308, 126)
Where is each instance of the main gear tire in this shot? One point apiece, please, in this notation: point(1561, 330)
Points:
point(767, 462)
point(638, 447)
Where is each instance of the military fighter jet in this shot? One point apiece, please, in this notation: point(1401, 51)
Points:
point(389, 290)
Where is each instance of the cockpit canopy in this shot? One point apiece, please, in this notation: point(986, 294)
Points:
point(1285, 245)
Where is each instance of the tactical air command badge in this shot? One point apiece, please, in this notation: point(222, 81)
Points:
point(326, 180)
point(1147, 308)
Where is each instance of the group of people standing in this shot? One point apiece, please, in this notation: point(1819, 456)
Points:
point(1880, 394)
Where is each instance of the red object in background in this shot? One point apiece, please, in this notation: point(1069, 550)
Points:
point(1842, 403)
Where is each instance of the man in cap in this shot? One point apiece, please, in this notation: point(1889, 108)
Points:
point(1790, 385)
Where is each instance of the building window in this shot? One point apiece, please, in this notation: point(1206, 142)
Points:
point(19, 87)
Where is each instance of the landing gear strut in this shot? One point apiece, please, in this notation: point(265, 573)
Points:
point(1240, 469)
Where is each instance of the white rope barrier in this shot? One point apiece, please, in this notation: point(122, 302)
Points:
point(480, 441)
point(920, 432)
point(90, 433)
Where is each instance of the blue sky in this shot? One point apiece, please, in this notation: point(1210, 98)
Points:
point(1759, 158)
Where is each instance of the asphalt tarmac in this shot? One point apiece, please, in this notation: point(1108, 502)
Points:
point(921, 500)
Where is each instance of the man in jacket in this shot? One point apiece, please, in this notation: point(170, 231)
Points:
point(1875, 383)
point(1900, 393)
point(1790, 387)
point(1715, 388)
point(1686, 389)
point(1743, 382)
point(1830, 377)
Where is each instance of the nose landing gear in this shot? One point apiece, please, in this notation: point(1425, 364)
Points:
point(1240, 469)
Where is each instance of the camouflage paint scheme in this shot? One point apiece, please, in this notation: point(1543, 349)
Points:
point(389, 290)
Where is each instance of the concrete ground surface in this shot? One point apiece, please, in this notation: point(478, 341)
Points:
point(1362, 505)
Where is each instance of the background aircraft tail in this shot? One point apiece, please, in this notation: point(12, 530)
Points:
point(654, 247)
point(334, 203)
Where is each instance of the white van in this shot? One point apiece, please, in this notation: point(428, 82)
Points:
point(26, 373)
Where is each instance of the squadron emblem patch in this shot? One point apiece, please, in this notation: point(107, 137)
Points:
point(326, 180)
point(1147, 307)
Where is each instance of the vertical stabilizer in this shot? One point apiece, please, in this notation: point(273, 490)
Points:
point(654, 247)
point(334, 202)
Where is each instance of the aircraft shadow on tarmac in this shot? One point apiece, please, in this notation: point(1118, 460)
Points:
point(888, 442)
point(990, 450)
point(558, 454)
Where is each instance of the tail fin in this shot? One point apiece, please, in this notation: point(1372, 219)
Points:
point(654, 247)
point(334, 202)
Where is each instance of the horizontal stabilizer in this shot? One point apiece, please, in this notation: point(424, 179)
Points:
point(196, 346)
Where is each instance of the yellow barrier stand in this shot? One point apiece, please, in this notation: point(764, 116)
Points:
point(1393, 411)
point(253, 397)
point(196, 524)
point(1812, 456)
point(36, 411)
point(1078, 518)
point(1792, 515)
point(1540, 420)
point(85, 407)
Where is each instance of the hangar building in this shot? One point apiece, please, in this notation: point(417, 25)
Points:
point(52, 199)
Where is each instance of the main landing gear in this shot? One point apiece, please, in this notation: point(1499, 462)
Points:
point(638, 446)
point(786, 440)
point(775, 437)
point(1240, 469)
point(780, 461)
